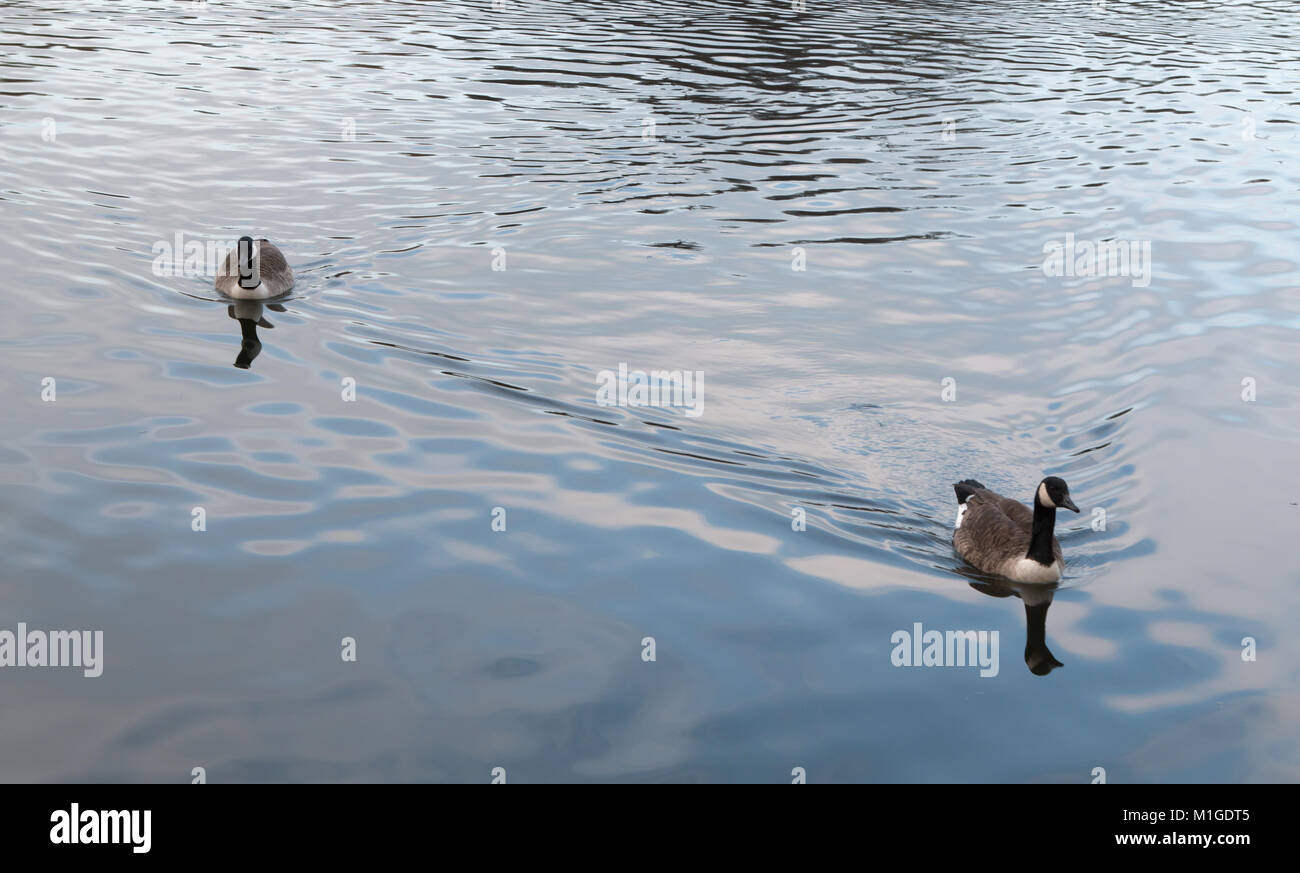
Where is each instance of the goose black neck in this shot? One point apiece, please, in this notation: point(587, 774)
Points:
point(1040, 536)
point(249, 271)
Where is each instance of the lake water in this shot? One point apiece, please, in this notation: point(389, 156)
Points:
point(839, 224)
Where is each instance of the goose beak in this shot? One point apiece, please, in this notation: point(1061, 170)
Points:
point(1069, 504)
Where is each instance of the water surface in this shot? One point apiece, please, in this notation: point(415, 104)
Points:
point(486, 209)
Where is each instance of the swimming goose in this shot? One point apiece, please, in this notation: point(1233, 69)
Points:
point(254, 270)
point(1000, 536)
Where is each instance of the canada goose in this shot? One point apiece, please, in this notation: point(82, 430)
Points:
point(249, 315)
point(254, 270)
point(1000, 536)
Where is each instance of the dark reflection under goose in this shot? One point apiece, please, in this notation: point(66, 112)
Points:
point(1036, 598)
point(249, 314)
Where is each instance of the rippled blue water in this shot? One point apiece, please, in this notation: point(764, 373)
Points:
point(827, 213)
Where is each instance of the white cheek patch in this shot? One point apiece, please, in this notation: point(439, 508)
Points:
point(961, 510)
point(1043, 498)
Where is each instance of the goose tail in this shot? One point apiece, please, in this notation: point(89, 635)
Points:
point(965, 488)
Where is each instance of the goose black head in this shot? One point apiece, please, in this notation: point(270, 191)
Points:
point(1053, 493)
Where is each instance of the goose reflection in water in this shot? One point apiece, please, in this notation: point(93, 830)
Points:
point(249, 314)
point(1036, 597)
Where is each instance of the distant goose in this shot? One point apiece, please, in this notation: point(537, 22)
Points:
point(1001, 537)
point(254, 270)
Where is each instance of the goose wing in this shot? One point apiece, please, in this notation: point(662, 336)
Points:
point(993, 529)
point(275, 269)
point(272, 259)
point(1014, 510)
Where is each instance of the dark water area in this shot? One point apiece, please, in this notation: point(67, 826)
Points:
point(841, 225)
